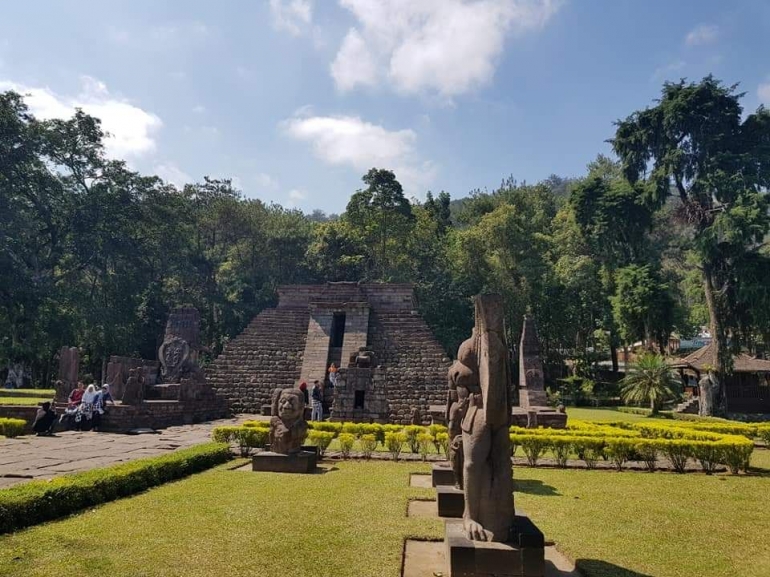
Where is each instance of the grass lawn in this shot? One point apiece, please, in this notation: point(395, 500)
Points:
point(27, 392)
point(602, 414)
point(27, 401)
point(352, 520)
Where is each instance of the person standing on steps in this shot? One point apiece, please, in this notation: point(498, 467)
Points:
point(303, 388)
point(317, 396)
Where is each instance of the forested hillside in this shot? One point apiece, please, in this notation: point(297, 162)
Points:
point(671, 236)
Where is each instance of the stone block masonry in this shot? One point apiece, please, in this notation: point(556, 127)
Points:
point(293, 341)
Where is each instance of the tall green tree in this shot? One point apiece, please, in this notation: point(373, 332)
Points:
point(651, 381)
point(695, 144)
point(384, 216)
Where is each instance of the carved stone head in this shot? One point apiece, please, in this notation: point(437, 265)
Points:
point(290, 404)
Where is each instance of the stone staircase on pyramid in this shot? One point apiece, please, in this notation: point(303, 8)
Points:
point(266, 355)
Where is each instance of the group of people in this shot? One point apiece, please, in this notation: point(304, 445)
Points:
point(85, 408)
point(315, 397)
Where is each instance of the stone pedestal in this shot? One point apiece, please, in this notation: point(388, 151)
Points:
point(522, 556)
point(302, 462)
point(534, 417)
point(451, 501)
point(442, 474)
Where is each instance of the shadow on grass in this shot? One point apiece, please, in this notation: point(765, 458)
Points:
point(322, 470)
point(534, 487)
point(596, 568)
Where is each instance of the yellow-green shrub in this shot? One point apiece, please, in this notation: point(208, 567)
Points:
point(326, 426)
point(394, 443)
point(561, 447)
point(411, 432)
point(321, 439)
point(346, 443)
point(619, 450)
point(424, 444)
point(532, 445)
point(355, 429)
point(368, 444)
point(12, 427)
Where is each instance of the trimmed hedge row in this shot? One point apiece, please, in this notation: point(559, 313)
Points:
point(38, 501)
point(12, 427)
point(591, 442)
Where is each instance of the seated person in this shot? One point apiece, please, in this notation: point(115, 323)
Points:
point(45, 419)
point(76, 395)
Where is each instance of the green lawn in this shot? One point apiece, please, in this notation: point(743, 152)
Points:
point(27, 392)
point(601, 414)
point(28, 401)
point(351, 521)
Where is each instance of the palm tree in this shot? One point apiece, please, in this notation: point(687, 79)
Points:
point(650, 382)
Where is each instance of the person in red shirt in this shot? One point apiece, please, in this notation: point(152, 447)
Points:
point(76, 395)
point(303, 388)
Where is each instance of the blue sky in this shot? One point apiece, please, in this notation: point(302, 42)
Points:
point(296, 99)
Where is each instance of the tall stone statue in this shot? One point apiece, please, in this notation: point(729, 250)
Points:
point(462, 380)
point(531, 381)
point(287, 426)
point(483, 368)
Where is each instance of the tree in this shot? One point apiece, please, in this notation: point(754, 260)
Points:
point(384, 216)
point(650, 381)
point(693, 144)
point(642, 306)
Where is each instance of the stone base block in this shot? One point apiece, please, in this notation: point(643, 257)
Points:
point(442, 474)
point(302, 462)
point(522, 556)
point(451, 501)
point(534, 417)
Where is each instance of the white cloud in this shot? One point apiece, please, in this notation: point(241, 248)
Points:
point(667, 71)
point(292, 16)
point(199, 109)
point(295, 197)
point(131, 130)
point(265, 180)
point(444, 46)
point(763, 93)
point(352, 142)
point(170, 172)
point(702, 34)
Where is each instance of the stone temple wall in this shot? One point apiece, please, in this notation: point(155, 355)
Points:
point(271, 351)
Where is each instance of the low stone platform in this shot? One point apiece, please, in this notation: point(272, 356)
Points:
point(451, 501)
point(534, 417)
point(523, 556)
point(442, 474)
point(303, 462)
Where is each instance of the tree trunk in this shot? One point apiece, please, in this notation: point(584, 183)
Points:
point(613, 352)
point(715, 403)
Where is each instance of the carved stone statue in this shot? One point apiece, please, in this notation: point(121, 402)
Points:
point(178, 354)
point(363, 358)
point(416, 417)
point(133, 391)
point(287, 426)
point(461, 380)
point(483, 368)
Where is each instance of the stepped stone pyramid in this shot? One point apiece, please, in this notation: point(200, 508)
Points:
point(315, 325)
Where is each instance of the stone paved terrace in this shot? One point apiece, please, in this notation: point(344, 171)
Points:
point(31, 457)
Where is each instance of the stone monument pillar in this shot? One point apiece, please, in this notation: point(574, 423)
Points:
point(490, 539)
point(69, 367)
point(531, 384)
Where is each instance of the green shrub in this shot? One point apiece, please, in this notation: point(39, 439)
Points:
point(678, 452)
point(425, 444)
point(392, 428)
point(346, 443)
point(249, 438)
point(442, 439)
point(763, 432)
point(589, 449)
point(619, 450)
point(708, 453)
point(223, 434)
point(533, 446)
point(325, 426)
point(368, 445)
point(394, 443)
point(434, 430)
point(561, 447)
point(321, 439)
point(257, 424)
point(373, 429)
point(12, 427)
point(635, 411)
point(38, 501)
point(355, 429)
point(736, 455)
point(412, 432)
point(648, 452)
